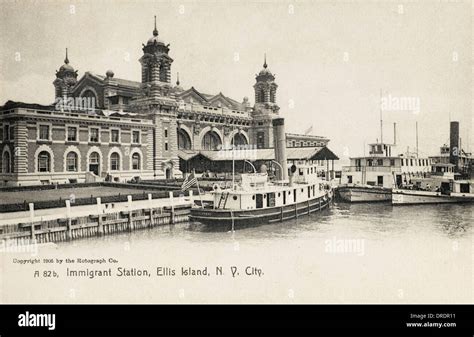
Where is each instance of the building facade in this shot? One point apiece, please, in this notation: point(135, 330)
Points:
point(103, 127)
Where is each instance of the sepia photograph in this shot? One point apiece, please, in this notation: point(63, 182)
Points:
point(234, 152)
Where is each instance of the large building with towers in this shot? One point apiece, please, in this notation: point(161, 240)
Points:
point(104, 127)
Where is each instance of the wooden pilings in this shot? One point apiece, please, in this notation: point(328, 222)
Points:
point(71, 228)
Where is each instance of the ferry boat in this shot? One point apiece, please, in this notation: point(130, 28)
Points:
point(442, 185)
point(372, 178)
point(256, 200)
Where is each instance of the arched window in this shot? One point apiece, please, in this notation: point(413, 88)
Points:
point(114, 161)
point(91, 99)
point(272, 95)
point(239, 139)
point(260, 96)
point(6, 164)
point(71, 162)
point(184, 142)
point(44, 162)
point(94, 163)
point(163, 72)
point(211, 141)
point(135, 161)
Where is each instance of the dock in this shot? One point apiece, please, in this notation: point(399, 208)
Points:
point(71, 223)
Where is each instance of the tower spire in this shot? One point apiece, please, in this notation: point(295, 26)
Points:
point(177, 80)
point(66, 60)
point(155, 31)
point(265, 60)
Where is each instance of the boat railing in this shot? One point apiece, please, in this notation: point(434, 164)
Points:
point(371, 169)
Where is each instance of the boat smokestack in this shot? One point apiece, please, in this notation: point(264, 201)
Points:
point(454, 143)
point(394, 133)
point(279, 146)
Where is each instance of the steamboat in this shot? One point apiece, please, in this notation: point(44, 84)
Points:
point(372, 178)
point(257, 200)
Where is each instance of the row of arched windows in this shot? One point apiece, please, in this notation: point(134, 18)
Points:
point(72, 162)
point(210, 141)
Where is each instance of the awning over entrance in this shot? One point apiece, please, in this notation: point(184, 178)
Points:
point(222, 159)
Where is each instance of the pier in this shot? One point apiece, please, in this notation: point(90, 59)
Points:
point(71, 223)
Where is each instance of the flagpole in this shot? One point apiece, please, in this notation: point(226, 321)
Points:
point(233, 165)
point(199, 190)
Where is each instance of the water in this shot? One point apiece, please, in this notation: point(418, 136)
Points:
point(351, 253)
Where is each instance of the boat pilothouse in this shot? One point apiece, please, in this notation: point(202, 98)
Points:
point(257, 200)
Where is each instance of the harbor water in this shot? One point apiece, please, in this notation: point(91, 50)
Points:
point(350, 253)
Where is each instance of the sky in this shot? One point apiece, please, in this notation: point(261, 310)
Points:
point(333, 60)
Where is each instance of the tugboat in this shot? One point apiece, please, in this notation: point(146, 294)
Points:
point(258, 201)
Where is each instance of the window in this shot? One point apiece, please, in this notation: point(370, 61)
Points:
point(71, 134)
point(166, 133)
point(44, 132)
point(166, 146)
point(44, 162)
point(6, 132)
point(136, 137)
point(6, 165)
point(349, 179)
point(392, 162)
point(136, 161)
point(369, 162)
point(411, 162)
point(114, 136)
point(94, 158)
point(114, 161)
point(12, 132)
point(94, 135)
point(71, 162)
point(379, 162)
point(380, 180)
point(403, 162)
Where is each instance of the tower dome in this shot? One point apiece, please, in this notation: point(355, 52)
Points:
point(66, 79)
point(155, 39)
point(66, 66)
point(265, 74)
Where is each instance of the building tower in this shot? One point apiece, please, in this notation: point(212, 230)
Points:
point(156, 66)
point(158, 102)
point(265, 108)
point(66, 79)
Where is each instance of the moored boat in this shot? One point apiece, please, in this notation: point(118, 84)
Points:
point(256, 201)
point(364, 193)
point(442, 185)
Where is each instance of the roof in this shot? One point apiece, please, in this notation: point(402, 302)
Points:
point(210, 99)
point(13, 105)
point(292, 153)
point(119, 81)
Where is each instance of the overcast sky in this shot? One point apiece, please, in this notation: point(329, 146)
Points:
point(331, 59)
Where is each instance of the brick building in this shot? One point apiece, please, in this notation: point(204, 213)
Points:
point(102, 127)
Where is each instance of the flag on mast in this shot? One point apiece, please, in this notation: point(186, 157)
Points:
point(189, 182)
point(309, 130)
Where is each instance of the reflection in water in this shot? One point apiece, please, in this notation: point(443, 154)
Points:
point(350, 253)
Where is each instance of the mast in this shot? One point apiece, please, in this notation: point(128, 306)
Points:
point(381, 121)
point(416, 125)
point(233, 162)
